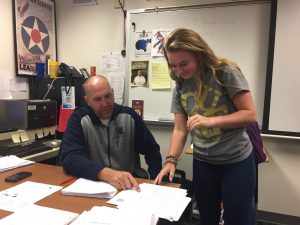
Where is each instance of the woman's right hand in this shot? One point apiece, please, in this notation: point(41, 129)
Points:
point(169, 168)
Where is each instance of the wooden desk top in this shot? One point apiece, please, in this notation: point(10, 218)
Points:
point(55, 175)
point(189, 150)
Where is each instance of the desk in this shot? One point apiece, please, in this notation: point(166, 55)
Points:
point(55, 175)
point(189, 150)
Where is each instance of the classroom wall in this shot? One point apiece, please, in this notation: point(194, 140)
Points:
point(7, 60)
point(83, 33)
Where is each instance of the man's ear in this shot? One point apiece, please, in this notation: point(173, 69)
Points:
point(86, 99)
point(113, 92)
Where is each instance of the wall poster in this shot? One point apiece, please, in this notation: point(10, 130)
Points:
point(35, 34)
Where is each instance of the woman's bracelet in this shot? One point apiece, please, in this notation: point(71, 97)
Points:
point(171, 159)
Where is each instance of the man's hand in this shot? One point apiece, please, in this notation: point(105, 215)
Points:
point(120, 179)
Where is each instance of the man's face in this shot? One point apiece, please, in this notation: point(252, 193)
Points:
point(101, 100)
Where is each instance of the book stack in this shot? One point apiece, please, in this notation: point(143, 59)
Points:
point(90, 188)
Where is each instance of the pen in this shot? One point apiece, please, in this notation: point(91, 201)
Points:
point(68, 180)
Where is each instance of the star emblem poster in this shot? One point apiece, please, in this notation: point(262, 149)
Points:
point(35, 40)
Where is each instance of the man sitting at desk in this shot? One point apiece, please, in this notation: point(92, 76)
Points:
point(103, 139)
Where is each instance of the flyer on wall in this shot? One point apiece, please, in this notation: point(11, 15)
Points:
point(138, 106)
point(139, 73)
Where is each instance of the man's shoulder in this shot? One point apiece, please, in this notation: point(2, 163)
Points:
point(122, 109)
point(81, 111)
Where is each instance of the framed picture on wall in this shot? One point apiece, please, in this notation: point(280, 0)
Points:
point(35, 35)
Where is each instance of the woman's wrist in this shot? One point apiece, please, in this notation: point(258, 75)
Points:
point(171, 159)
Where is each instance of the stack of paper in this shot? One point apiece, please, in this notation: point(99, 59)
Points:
point(111, 216)
point(11, 162)
point(37, 215)
point(161, 201)
point(89, 188)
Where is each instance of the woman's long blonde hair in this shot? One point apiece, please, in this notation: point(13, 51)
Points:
point(186, 39)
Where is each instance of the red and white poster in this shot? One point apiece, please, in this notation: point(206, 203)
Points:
point(35, 39)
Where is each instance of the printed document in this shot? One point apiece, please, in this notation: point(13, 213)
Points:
point(161, 201)
point(105, 215)
point(11, 162)
point(24, 195)
point(39, 215)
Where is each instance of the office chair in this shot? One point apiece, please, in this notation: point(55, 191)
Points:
point(139, 172)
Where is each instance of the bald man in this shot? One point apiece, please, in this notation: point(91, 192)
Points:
point(103, 139)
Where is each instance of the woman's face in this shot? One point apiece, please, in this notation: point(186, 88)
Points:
point(183, 63)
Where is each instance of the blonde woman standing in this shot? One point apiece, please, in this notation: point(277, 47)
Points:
point(213, 102)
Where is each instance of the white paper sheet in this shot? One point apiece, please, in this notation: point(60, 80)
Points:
point(39, 133)
point(111, 216)
point(39, 215)
point(116, 81)
point(161, 201)
point(111, 62)
point(125, 196)
point(24, 136)
point(4, 84)
point(52, 130)
point(24, 195)
point(11, 162)
point(18, 84)
point(16, 137)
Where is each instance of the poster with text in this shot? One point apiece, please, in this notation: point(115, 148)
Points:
point(158, 42)
point(139, 74)
point(35, 40)
point(143, 43)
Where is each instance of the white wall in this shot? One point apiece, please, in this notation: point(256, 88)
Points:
point(84, 33)
point(7, 60)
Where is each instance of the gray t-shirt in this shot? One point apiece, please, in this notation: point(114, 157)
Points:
point(214, 145)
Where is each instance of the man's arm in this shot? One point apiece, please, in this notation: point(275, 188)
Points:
point(74, 159)
point(76, 162)
point(145, 144)
point(152, 155)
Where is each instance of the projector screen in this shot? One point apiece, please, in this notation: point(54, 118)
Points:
point(282, 93)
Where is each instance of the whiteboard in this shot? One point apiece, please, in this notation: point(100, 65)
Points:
point(239, 32)
point(283, 81)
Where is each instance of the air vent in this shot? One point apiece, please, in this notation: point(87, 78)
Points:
point(83, 2)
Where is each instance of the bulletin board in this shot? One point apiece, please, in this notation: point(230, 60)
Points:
point(237, 31)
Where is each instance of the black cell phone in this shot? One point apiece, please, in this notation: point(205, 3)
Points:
point(18, 176)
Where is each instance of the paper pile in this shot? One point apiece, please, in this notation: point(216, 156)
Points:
point(25, 194)
point(37, 215)
point(90, 188)
point(11, 162)
point(112, 216)
point(161, 201)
